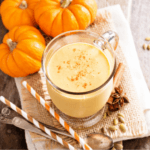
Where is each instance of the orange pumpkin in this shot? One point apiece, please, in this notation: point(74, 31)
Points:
point(54, 17)
point(21, 51)
point(18, 12)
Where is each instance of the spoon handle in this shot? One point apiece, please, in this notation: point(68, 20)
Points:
point(23, 124)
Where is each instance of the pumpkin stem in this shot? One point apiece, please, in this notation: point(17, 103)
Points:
point(65, 3)
point(12, 45)
point(23, 5)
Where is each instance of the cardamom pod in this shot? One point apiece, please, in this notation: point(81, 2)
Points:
point(144, 46)
point(123, 127)
point(112, 128)
point(148, 46)
point(147, 38)
point(121, 119)
point(115, 121)
point(105, 115)
point(120, 114)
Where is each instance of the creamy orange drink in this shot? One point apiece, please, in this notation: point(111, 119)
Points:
point(78, 68)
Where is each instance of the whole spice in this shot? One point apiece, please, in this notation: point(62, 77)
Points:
point(147, 38)
point(118, 75)
point(148, 46)
point(120, 114)
point(105, 115)
point(123, 127)
point(115, 121)
point(118, 146)
point(112, 128)
point(144, 46)
point(121, 119)
point(119, 90)
point(126, 100)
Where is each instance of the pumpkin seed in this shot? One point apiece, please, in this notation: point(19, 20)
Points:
point(115, 121)
point(112, 128)
point(120, 114)
point(144, 46)
point(121, 119)
point(105, 115)
point(147, 38)
point(103, 130)
point(123, 127)
point(118, 146)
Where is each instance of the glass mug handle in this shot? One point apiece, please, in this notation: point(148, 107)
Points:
point(110, 36)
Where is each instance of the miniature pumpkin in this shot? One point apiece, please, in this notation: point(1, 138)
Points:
point(18, 12)
point(21, 51)
point(57, 16)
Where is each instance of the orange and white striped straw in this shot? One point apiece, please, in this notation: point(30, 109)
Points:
point(36, 123)
point(56, 116)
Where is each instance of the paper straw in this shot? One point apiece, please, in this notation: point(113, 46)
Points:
point(36, 123)
point(56, 116)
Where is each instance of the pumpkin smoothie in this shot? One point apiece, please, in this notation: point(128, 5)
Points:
point(79, 67)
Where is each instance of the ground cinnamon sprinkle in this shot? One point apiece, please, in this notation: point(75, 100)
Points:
point(76, 78)
point(68, 62)
point(59, 67)
point(74, 49)
point(84, 85)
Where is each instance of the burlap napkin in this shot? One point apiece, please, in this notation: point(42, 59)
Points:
point(134, 117)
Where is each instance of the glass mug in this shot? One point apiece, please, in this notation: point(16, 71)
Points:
point(81, 109)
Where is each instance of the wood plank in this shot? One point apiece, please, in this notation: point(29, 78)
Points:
point(11, 137)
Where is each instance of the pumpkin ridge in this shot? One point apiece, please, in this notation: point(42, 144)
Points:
point(20, 52)
point(12, 5)
point(91, 8)
point(87, 9)
point(76, 15)
point(52, 20)
point(7, 17)
point(73, 15)
point(9, 22)
point(6, 8)
point(17, 65)
point(24, 31)
point(17, 49)
point(27, 10)
point(55, 19)
point(43, 13)
point(7, 65)
point(3, 57)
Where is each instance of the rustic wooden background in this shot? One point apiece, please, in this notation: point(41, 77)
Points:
point(13, 138)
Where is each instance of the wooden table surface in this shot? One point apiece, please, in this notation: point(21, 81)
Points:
point(137, 13)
